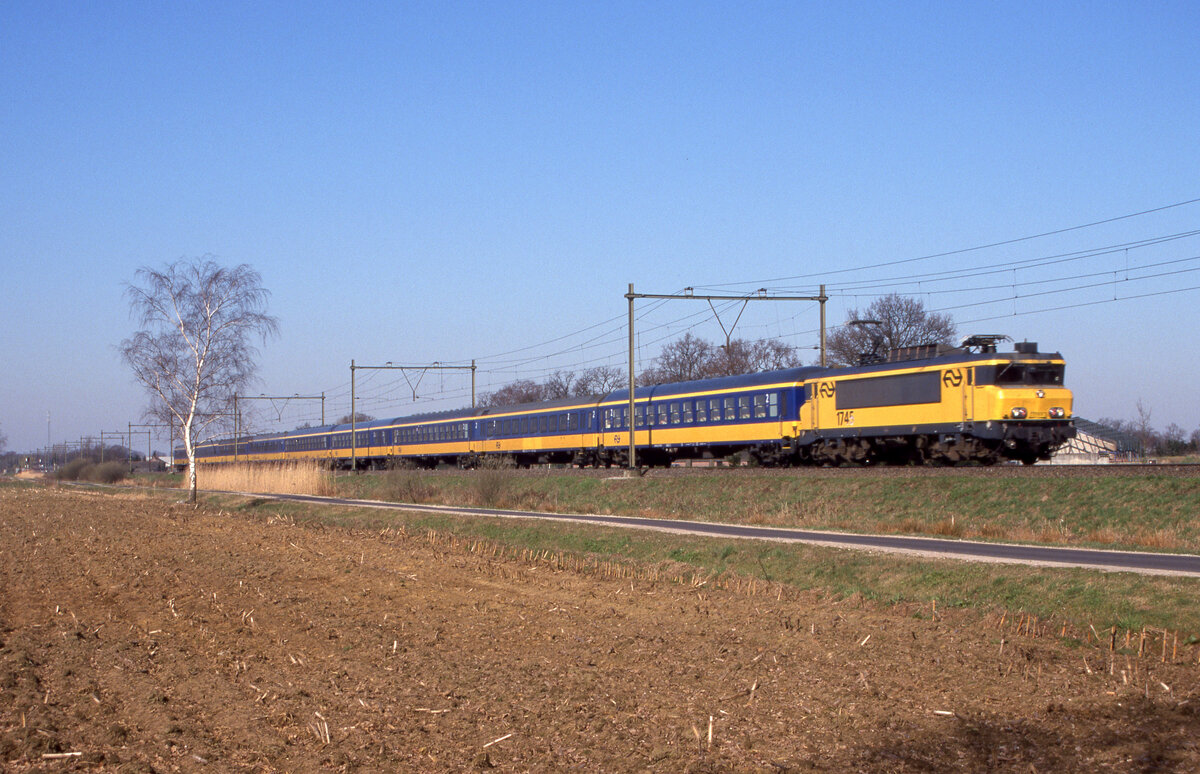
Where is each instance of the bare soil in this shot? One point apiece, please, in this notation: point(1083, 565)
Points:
point(137, 635)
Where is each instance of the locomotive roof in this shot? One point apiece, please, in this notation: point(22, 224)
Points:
point(949, 358)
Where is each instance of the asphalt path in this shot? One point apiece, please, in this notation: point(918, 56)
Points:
point(1143, 562)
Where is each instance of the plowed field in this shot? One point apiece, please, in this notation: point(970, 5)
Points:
point(137, 635)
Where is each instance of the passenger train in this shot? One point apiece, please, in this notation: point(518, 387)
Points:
point(919, 405)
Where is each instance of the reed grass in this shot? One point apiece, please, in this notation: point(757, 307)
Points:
point(268, 478)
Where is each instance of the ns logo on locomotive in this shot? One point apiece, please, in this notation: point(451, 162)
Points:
point(919, 405)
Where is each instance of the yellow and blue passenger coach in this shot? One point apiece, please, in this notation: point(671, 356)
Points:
point(919, 405)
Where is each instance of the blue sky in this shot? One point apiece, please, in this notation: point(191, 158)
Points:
point(422, 182)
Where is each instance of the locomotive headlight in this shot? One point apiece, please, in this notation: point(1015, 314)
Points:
point(1019, 413)
point(1057, 413)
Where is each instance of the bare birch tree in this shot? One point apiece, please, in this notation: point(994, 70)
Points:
point(196, 349)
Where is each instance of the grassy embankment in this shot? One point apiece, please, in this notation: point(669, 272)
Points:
point(1148, 512)
point(1139, 511)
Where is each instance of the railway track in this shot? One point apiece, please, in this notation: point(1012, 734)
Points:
point(1172, 470)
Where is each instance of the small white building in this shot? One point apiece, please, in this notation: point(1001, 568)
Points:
point(1096, 443)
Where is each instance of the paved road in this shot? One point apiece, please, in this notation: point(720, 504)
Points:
point(1114, 561)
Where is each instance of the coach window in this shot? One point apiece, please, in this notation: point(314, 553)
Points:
point(760, 406)
point(773, 405)
point(663, 414)
point(701, 411)
point(687, 412)
point(675, 414)
point(730, 410)
point(573, 421)
point(744, 407)
point(639, 416)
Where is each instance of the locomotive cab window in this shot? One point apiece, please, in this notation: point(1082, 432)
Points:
point(1039, 374)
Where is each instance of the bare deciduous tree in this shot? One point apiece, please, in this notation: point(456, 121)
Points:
point(901, 322)
point(522, 391)
point(195, 349)
point(559, 385)
point(746, 357)
point(682, 360)
point(691, 357)
point(600, 380)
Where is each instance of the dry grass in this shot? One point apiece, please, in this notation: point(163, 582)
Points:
point(406, 486)
point(271, 478)
point(1160, 539)
point(1105, 535)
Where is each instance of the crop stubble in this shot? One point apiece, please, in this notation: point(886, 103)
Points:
point(151, 637)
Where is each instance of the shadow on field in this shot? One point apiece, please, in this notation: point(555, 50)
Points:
point(1139, 735)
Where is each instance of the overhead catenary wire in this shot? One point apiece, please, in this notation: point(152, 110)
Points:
point(600, 343)
point(959, 251)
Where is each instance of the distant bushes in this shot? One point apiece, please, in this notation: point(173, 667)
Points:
point(107, 472)
point(85, 470)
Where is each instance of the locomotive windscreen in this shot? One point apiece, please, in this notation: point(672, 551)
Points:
point(1043, 374)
